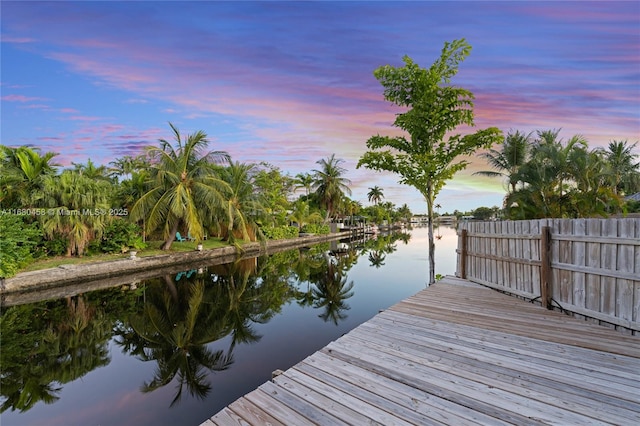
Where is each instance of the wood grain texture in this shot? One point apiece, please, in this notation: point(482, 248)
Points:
point(458, 353)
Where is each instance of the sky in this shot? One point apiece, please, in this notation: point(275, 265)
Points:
point(291, 83)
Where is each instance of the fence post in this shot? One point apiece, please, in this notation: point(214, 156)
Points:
point(545, 269)
point(463, 254)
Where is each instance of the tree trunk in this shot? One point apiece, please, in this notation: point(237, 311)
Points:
point(432, 250)
point(172, 236)
point(432, 246)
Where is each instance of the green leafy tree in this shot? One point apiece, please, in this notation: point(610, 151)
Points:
point(185, 190)
point(329, 184)
point(273, 188)
point(17, 243)
point(433, 108)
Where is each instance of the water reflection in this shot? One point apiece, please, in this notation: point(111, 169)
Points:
point(187, 325)
point(48, 344)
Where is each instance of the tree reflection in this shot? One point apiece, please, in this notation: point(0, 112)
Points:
point(332, 289)
point(180, 320)
point(377, 258)
point(173, 328)
point(48, 344)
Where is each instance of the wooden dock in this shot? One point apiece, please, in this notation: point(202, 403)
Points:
point(457, 353)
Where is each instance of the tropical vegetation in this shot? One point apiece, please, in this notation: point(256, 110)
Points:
point(549, 177)
point(179, 186)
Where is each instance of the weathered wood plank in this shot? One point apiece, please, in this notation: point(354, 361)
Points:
point(458, 353)
point(429, 406)
point(517, 382)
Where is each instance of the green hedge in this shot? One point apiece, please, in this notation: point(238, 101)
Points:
point(314, 228)
point(280, 232)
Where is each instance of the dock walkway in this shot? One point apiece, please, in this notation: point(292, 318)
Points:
point(457, 353)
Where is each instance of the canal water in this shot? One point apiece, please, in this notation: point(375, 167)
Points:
point(176, 349)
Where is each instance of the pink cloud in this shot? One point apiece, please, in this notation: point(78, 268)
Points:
point(18, 40)
point(84, 118)
point(21, 98)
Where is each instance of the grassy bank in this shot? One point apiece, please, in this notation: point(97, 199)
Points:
point(153, 249)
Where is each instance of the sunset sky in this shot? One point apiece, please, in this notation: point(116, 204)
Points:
point(291, 83)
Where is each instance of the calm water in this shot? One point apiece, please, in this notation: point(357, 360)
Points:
point(179, 348)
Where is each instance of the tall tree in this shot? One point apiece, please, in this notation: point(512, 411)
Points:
point(624, 169)
point(375, 195)
point(330, 184)
point(304, 180)
point(433, 108)
point(273, 188)
point(508, 161)
point(185, 188)
point(242, 209)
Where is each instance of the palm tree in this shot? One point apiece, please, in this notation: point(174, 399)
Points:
point(242, 208)
point(302, 215)
point(22, 173)
point(127, 165)
point(185, 190)
point(329, 183)
point(405, 212)
point(375, 195)
point(508, 161)
point(92, 171)
point(78, 209)
point(624, 171)
point(304, 180)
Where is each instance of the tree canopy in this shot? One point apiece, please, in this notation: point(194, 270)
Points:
point(430, 155)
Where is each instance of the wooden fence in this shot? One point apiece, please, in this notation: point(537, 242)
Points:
point(589, 267)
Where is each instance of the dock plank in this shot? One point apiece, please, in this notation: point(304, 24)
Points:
point(457, 353)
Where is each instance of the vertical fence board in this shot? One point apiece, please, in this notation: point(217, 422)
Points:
point(526, 254)
point(506, 266)
point(578, 256)
point(518, 254)
point(592, 302)
point(564, 256)
point(555, 253)
point(608, 261)
point(536, 229)
point(636, 270)
point(625, 263)
point(494, 252)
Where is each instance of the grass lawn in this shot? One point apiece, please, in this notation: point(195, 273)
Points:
point(153, 248)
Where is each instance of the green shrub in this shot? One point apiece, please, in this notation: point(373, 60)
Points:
point(119, 236)
point(55, 247)
point(280, 232)
point(18, 241)
point(315, 228)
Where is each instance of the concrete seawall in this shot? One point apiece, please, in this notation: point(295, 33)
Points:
point(67, 280)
